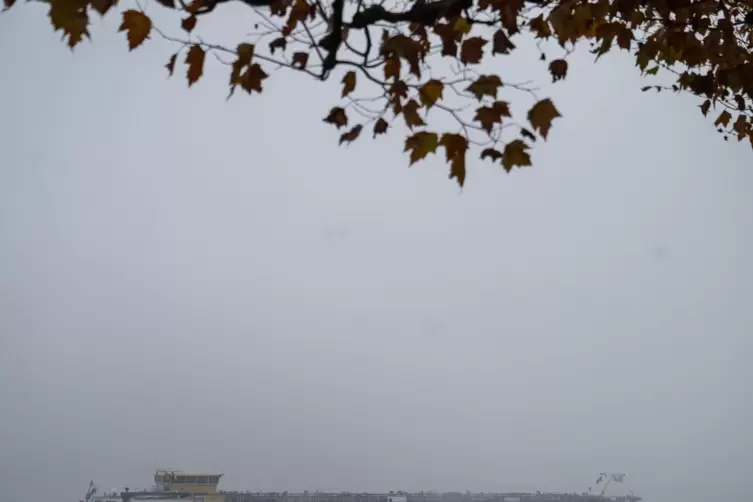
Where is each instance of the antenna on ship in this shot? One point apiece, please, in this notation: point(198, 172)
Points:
point(609, 477)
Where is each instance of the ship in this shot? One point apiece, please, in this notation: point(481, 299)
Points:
point(179, 486)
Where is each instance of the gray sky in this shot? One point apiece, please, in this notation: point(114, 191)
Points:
point(201, 284)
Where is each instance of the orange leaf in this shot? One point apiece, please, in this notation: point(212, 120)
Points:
point(349, 83)
point(137, 27)
point(541, 115)
point(472, 50)
point(337, 117)
point(195, 62)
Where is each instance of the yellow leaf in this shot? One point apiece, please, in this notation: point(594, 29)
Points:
point(349, 83)
point(515, 155)
point(195, 62)
point(431, 92)
point(462, 26)
point(420, 145)
point(541, 115)
point(137, 27)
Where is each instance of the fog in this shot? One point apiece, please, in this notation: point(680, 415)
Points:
point(198, 284)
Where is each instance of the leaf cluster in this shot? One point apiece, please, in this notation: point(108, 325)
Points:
point(402, 62)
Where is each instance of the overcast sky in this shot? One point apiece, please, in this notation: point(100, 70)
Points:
point(192, 283)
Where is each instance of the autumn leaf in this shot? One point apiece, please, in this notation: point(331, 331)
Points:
point(462, 26)
point(558, 69)
point(471, 51)
point(456, 146)
point(515, 154)
point(723, 119)
point(501, 44)
point(485, 85)
point(705, 107)
point(189, 23)
point(137, 27)
point(431, 92)
point(171, 64)
point(541, 115)
point(337, 117)
point(420, 145)
point(351, 135)
point(349, 83)
point(540, 27)
point(410, 114)
point(101, 6)
point(195, 62)
point(252, 78)
point(392, 68)
point(300, 59)
point(7, 4)
point(490, 115)
point(278, 43)
point(491, 153)
point(380, 127)
point(71, 18)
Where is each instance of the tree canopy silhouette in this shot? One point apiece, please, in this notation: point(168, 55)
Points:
point(401, 59)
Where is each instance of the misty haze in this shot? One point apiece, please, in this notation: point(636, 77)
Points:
point(197, 287)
